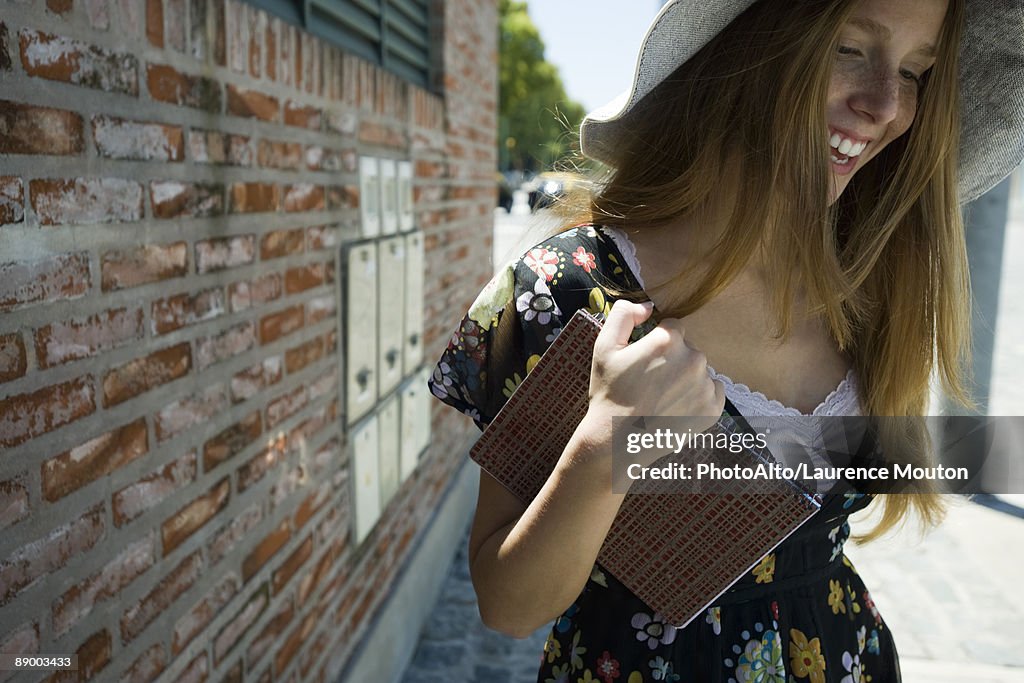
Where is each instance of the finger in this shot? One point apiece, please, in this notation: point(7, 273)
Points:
point(621, 320)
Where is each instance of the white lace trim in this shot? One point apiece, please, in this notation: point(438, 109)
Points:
point(843, 400)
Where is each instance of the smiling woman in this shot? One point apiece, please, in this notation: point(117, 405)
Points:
point(784, 182)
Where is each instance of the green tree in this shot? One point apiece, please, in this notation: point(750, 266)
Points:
point(537, 122)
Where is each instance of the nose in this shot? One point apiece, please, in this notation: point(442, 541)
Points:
point(878, 98)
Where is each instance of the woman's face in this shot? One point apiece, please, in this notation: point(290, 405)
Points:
point(884, 50)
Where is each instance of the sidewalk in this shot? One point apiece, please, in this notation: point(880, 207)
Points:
point(953, 603)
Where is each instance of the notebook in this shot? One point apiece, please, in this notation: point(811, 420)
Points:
point(677, 552)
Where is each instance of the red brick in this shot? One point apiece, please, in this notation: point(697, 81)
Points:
point(33, 561)
point(215, 147)
point(202, 613)
point(283, 155)
point(321, 237)
point(224, 252)
point(226, 538)
point(255, 469)
point(118, 138)
point(190, 411)
point(12, 200)
point(5, 50)
point(13, 360)
point(142, 374)
point(265, 549)
point(77, 338)
point(62, 59)
point(137, 617)
point(192, 517)
point(174, 24)
point(86, 200)
point(270, 634)
point(14, 504)
point(219, 37)
point(304, 197)
point(257, 31)
point(225, 344)
point(96, 458)
point(234, 675)
point(342, 121)
point(309, 582)
point(240, 622)
point(235, 12)
point(26, 416)
point(286, 484)
point(196, 671)
point(242, 295)
point(311, 505)
point(253, 380)
point(281, 243)
point(254, 197)
point(312, 653)
point(186, 309)
point(305, 430)
point(26, 129)
point(299, 357)
point(155, 22)
point(304, 117)
point(342, 197)
point(253, 104)
point(287, 570)
point(144, 264)
point(134, 499)
point(232, 441)
point(174, 199)
point(93, 657)
point(166, 84)
point(97, 12)
point(320, 308)
point(117, 573)
point(375, 133)
point(62, 276)
point(293, 644)
point(281, 324)
point(301, 278)
point(146, 666)
point(323, 385)
point(284, 407)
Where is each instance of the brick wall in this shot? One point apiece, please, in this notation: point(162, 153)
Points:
point(176, 180)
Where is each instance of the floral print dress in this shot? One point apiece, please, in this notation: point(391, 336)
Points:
point(801, 614)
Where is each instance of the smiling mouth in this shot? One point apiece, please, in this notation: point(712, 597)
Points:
point(846, 150)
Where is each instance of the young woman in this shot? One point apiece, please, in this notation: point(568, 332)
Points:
point(785, 186)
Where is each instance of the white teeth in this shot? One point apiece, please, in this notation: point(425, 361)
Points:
point(845, 146)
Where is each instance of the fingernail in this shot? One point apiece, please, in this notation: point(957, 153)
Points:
point(649, 305)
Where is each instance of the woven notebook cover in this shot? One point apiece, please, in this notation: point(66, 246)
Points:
point(678, 552)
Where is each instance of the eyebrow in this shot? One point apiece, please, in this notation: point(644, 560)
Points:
point(882, 31)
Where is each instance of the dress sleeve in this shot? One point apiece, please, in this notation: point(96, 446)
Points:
point(507, 329)
point(520, 312)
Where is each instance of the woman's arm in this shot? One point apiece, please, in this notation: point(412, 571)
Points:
point(528, 563)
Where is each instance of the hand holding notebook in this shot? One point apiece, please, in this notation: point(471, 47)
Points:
point(676, 551)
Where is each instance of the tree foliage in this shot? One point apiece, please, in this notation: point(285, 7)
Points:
point(538, 123)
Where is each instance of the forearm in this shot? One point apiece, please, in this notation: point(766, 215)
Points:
point(530, 571)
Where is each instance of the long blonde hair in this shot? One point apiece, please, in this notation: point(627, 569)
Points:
point(885, 265)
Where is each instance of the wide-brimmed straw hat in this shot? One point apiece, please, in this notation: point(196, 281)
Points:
point(991, 82)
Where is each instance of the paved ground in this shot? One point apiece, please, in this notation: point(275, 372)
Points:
point(954, 600)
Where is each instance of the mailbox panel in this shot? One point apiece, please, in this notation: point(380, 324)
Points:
point(389, 196)
point(389, 426)
point(391, 315)
point(360, 331)
point(365, 477)
point(406, 218)
point(416, 401)
point(413, 352)
point(369, 196)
